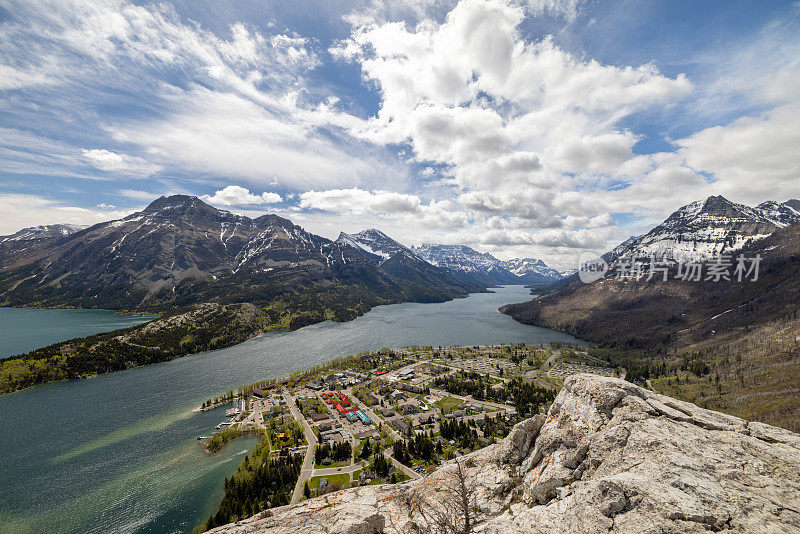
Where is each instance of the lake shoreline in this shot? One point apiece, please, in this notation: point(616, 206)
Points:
point(56, 348)
point(127, 442)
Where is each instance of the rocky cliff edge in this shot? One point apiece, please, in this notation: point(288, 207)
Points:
point(608, 456)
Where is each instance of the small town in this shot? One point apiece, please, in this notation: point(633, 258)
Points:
point(391, 416)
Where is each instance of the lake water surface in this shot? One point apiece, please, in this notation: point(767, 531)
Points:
point(22, 330)
point(118, 452)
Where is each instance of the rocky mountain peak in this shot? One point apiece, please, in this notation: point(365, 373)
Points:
point(374, 243)
point(609, 456)
point(183, 207)
point(710, 227)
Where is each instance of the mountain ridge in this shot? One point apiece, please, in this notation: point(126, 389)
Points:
point(705, 228)
point(179, 251)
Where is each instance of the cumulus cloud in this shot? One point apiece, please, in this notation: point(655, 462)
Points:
point(360, 201)
point(109, 161)
point(749, 153)
point(387, 204)
point(514, 124)
point(236, 195)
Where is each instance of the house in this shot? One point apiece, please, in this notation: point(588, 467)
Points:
point(401, 425)
point(315, 385)
point(426, 418)
point(342, 409)
point(316, 417)
point(398, 395)
point(408, 408)
point(324, 426)
point(406, 374)
point(411, 388)
point(366, 434)
point(387, 412)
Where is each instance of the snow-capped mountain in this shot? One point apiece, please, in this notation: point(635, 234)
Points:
point(468, 263)
point(373, 242)
point(532, 270)
point(482, 266)
point(179, 250)
point(43, 231)
point(708, 228)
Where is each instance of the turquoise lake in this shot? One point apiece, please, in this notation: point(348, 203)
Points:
point(22, 330)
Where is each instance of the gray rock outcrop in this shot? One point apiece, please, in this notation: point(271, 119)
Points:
point(609, 456)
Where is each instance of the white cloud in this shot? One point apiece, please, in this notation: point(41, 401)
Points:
point(14, 78)
point(235, 195)
point(224, 134)
point(109, 161)
point(566, 8)
point(240, 107)
point(19, 211)
point(516, 125)
point(752, 159)
point(360, 201)
point(386, 204)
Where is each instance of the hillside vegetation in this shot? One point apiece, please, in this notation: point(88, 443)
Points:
point(745, 334)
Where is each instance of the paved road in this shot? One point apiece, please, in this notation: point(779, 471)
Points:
point(404, 468)
point(307, 471)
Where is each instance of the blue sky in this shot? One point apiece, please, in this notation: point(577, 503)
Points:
point(524, 128)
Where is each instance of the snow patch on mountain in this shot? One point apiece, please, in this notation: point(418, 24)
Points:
point(374, 243)
point(708, 228)
point(43, 231)
point(532, 269)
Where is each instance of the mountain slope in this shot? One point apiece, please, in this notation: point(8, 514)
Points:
point(180, 251)
point(710, 227)
point(374, 243)
point(647, 314)
point(400, 262)
point(42, 232)
point(406, 266)
point(733, 346)
point(467, 263)
point(532, 271)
